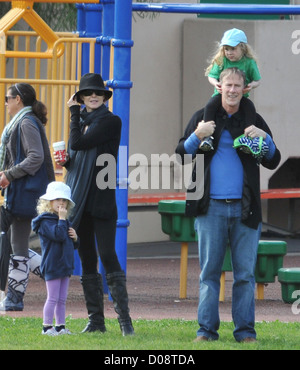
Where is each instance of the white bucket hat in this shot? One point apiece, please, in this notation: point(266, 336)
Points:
point(57, 190)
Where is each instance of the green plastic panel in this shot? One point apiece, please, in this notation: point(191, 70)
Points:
point(174, 222)
point(269, 260)
point(272, 247)
point(289, 275)
point(171, 206)
point(290, 284)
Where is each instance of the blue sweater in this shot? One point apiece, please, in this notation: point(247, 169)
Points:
point(57, 247)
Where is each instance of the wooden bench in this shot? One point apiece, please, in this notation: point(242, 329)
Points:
point(138, 201)
point(289, 193)
point(154, 198)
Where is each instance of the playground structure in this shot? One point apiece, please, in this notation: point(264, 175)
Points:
point(53, 64)
point(101, 44)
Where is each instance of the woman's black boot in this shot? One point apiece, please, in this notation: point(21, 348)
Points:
point(116, 282)
point(93, 294)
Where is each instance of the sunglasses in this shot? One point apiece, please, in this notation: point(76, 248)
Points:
point(91, 92)
point(9, 97)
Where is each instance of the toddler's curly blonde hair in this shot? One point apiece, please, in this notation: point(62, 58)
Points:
point(44, 206)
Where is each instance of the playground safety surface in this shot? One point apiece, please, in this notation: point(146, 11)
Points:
point(153, 288)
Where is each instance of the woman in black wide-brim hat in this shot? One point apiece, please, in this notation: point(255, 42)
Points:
point(95, 131)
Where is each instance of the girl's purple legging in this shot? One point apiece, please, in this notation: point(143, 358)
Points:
point(57, 292)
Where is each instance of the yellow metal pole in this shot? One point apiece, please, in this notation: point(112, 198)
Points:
point(260, 290)
point(92, 57)
point(27, 48)
point(54, 94)
point(222, 287)
point(2, 75)
point(60, 99)
point(38, 45)
point(48, 94)
point(58, 1)
point(183, 270)
point(15, 60)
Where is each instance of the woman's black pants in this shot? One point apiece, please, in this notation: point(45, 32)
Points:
point(97, 238)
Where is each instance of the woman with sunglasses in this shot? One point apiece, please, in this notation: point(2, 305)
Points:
point(95, 131)
point(26, 127)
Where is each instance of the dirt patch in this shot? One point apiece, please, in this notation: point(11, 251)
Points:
point(153, 288)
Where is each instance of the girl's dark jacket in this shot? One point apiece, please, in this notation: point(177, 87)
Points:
point(57, 247)
point(251, 201)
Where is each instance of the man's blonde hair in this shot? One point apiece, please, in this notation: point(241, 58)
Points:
point(233, 71)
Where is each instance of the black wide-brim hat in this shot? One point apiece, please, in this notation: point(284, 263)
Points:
point(92, 81)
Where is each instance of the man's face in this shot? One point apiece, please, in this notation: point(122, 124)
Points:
point(232, 91)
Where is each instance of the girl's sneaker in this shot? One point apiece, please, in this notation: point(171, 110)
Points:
point(64, 331)
point(51, 332)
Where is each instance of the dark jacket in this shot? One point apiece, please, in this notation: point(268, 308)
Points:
point(105, 136)
point(251, 201)
point(57, 247)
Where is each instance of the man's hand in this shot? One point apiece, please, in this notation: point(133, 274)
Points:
point(205, 129)
point(253, 131)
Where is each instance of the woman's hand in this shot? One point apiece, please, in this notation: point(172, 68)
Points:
point(72, 234)
point(58, 161)
point(3, 180)
point(72, 101)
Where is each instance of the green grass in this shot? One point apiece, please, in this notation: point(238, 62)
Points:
point(25, 334)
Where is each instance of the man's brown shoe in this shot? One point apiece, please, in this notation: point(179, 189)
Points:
point(248, 340)
point(201, 338)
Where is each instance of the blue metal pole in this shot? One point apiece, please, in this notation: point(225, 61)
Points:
point(108, 32)
point(216, 8)
point(93, 28)
point(80, 19)
point(121, 106)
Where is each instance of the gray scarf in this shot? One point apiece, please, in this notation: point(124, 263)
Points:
point(8, 130)
point(82, 165)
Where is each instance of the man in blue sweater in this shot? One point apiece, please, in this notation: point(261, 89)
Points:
point(229, 208)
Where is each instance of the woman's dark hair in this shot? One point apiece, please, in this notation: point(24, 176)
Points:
point(28, 97)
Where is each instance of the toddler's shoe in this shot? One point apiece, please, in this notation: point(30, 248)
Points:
point(51, 332)
point(207, 144)
point(64, 331)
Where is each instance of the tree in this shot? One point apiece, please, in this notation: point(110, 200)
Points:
point(62, 16)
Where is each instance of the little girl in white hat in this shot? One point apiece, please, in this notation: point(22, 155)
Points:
point(57, 242)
